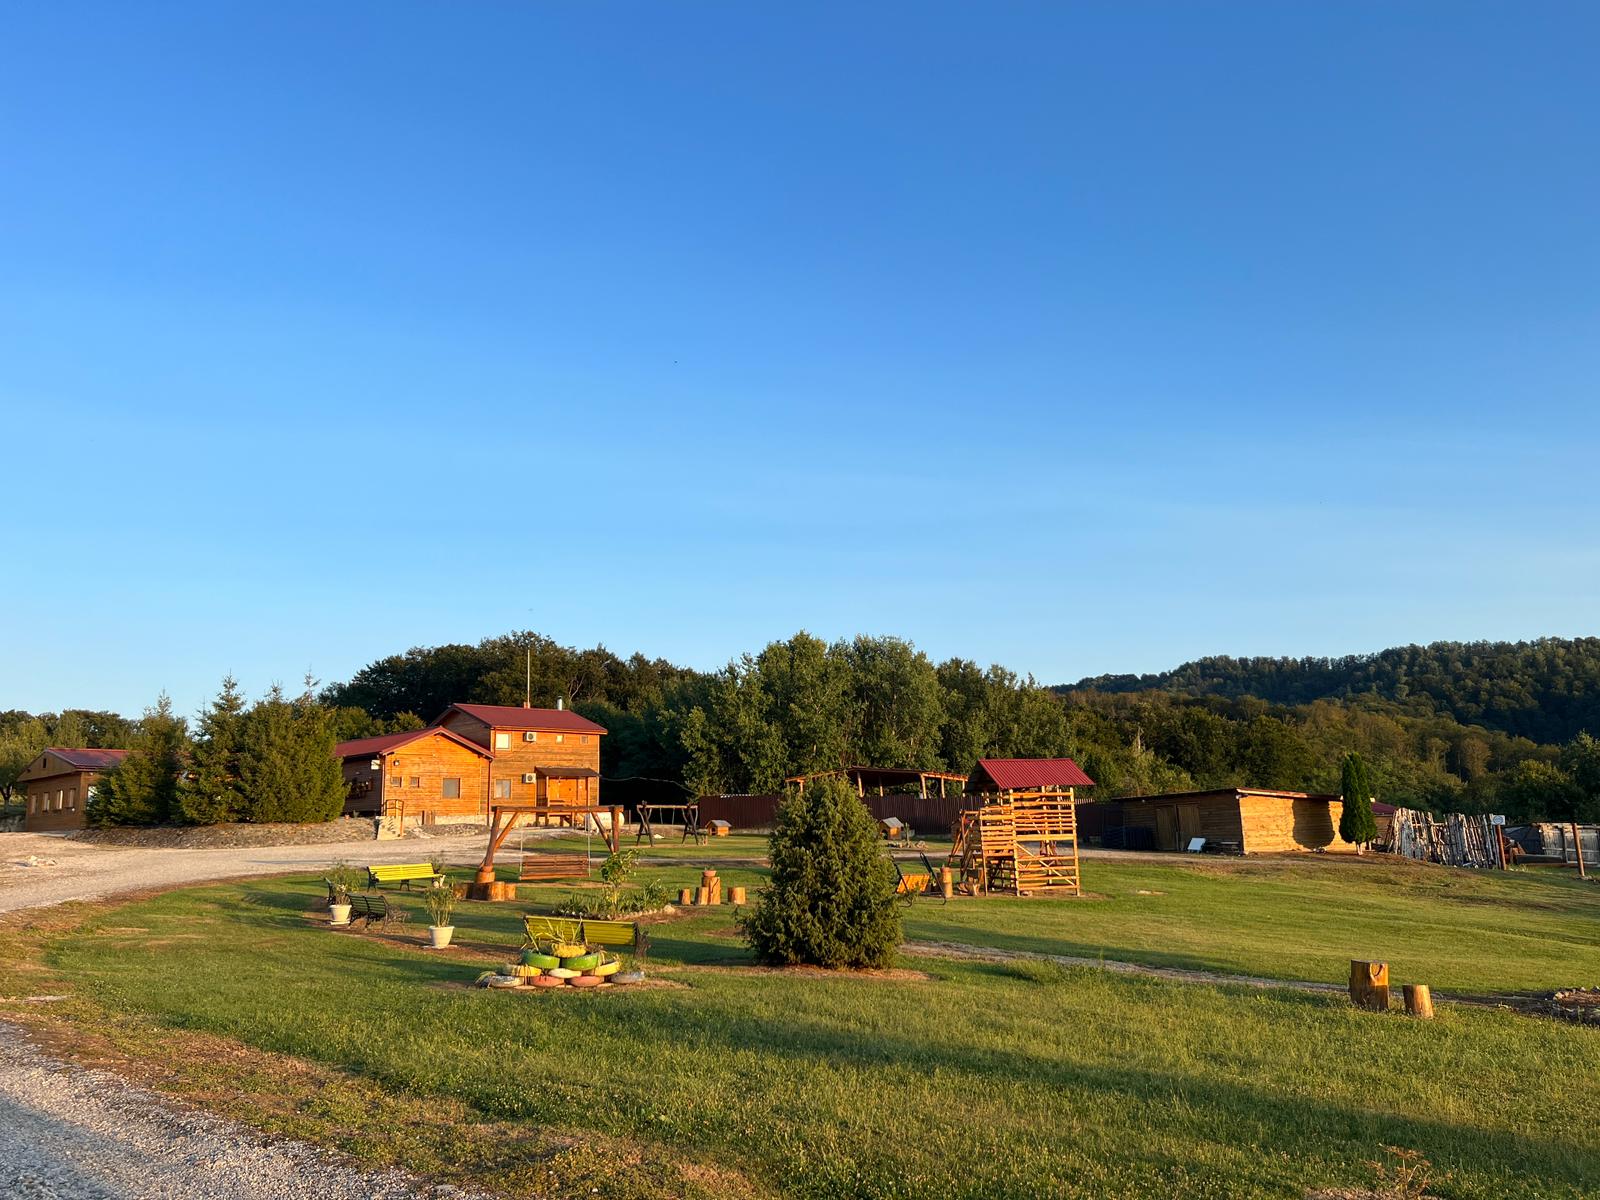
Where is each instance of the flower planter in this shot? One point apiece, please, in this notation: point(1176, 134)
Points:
point(341, 913)
point(439, 935)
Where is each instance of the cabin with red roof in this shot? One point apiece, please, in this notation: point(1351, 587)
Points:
point(545, 757)
point(57, 784)
point(420, 777)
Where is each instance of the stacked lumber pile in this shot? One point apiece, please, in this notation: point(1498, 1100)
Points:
point(1457, 841)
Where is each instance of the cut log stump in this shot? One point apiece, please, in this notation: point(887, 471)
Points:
point(1369, 985)
point(1419, 1000)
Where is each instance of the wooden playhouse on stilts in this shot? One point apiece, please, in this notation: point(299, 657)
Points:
point(1019, 836)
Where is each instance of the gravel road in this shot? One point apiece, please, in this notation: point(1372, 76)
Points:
point(69, 1134)
point(90, 871)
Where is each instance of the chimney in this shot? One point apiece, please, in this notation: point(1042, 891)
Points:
point(560, 703)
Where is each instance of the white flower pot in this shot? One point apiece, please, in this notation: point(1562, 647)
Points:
point(341, 913)
point(440, 935)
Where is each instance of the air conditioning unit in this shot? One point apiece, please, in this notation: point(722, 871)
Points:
point(529, 777)
point(530, 736)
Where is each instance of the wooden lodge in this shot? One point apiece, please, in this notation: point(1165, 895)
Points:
point(1240, 820)
point(546, 758)
point(56, 786)
point(423, 776)
point(1019, 833)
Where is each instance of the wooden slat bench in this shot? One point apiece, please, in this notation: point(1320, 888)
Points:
point(555, 865)
point(403, 874)
point(589, 932)
point(368, 909)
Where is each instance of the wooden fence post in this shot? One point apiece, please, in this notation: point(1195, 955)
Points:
point(1369, 985)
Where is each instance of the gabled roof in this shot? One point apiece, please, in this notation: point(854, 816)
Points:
point(80, 759)
point(1016, 773)
point(514, 716)
point(386, 742)
point(1233, 793)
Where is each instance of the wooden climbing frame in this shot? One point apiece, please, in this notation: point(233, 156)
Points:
point(1018, 842)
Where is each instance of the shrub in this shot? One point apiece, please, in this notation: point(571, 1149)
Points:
point(831, 902)
point(440, 901)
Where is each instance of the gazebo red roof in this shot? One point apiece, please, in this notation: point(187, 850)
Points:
point(1010, 774)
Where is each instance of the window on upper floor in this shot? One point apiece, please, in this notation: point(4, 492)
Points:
point(502, 789)
point(502, 741)
point(416, 781)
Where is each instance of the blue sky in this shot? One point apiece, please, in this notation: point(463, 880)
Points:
point(1077, 337)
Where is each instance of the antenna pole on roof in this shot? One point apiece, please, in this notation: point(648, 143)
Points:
point(527, 687)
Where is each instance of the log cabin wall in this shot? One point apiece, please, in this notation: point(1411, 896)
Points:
point(414, 778)
point(519, 757)
point(1215, 815)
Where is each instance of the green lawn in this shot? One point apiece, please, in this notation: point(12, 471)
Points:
point(979, 1080)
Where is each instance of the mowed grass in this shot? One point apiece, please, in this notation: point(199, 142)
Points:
point(1304, 918)
point(978, 1080)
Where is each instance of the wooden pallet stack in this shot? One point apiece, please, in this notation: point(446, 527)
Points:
point(1022, 843)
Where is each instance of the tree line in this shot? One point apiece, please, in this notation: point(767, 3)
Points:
point(803, 704)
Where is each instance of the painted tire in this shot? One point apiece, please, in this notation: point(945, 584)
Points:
point(562, 973)
point(607, 968)
point(528, 972)
point(548, 981)
point(626, 977)
point(581, 962)
point(532, 958)
point(586, 981)
point(504, 981)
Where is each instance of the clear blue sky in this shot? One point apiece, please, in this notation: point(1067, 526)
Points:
point(1078, 337)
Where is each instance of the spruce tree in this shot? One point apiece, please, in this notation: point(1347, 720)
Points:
point(1356, 823)
point(832, 897)
point(287, 771)
point(209, 792)
point(143, 788)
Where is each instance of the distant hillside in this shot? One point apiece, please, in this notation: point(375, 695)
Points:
point(1547, 690)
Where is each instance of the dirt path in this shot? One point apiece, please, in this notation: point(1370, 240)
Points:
point(74, 870)
point(70, 1134)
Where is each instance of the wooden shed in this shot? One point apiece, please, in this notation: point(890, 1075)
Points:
point(422, 776)
point(1243, 820)
point(57, 785)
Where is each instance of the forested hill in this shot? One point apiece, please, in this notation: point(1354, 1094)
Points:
point(1547, 690)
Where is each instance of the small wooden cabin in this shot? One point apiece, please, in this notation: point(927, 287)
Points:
point(56, 785)
point(1243, 820)
point(548, 757)
point(422, 776)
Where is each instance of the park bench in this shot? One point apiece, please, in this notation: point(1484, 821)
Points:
point(368, 909)
point(590, 932)
point(403, 874)
point(556, 865)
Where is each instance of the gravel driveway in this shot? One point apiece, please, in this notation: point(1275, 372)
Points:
point(69, 1134)
point(90, 871)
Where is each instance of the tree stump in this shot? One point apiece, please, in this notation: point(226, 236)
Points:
point(702, 895)
point(1419, 1000)
point(686, 896)
point(735, 895)
point(1369, 985)
point(947, 883)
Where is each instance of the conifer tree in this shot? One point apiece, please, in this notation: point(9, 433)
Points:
point(1356, 823)
point(287, 771)
point(832, 898)
point(143, 788)
point(209, 792)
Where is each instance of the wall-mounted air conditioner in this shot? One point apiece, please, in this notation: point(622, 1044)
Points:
point(529, 777)
point(530, 736)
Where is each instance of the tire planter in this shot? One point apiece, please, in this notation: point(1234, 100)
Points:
point(503, 981)
point(607, 968)
point(581, 962)
point(587, 981)
point(526, 972)
point(548, 981)
point(568, 949)
point(533, 958)
point(563, 973)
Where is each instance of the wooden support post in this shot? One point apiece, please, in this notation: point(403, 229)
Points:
point(1419, 1000)
point(1577, 840)
point(1369, 985)
point(736, 895)
point(947, 884)
point(616, 827)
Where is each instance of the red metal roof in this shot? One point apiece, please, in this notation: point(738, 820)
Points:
point(1010, 773)
point(514, 716)
point(89, 760)
point(384, 743)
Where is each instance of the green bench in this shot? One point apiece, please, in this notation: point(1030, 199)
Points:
point(590, 932)
point(403, 874)
point(368, 909)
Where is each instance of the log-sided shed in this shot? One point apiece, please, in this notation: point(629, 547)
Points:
point(1246, 820)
